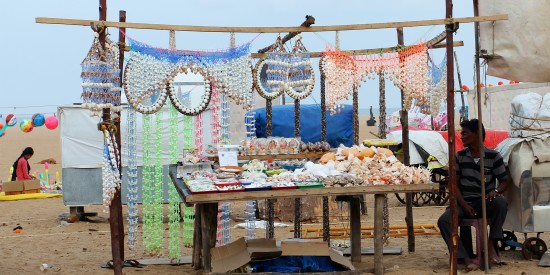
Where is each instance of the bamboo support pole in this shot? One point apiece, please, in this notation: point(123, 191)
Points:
point(451, 133)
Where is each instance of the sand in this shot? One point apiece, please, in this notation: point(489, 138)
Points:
point(81, 247)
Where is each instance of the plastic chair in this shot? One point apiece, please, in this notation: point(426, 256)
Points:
point(466, 237)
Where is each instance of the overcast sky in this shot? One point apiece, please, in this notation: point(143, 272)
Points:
point(40, 63)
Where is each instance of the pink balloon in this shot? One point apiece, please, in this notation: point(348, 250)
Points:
point(51, 122)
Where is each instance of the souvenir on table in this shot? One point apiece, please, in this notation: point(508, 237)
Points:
point(272, 146)
point(294, 146)
point(261, 146)
point(283, 146)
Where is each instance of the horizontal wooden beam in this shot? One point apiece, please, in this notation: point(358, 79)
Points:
point(83, 22)
point(297, 193)
point(354, 52)
point(365, 51)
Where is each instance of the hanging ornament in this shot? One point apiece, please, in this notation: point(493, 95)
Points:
point(111, 176)
point(150, 69)
point(271, 73)
point(174, 231)
point(341, 75)
point(132, 174)
point(437, 86)
point(186, 105)
point(101, 78)
point(301, 77)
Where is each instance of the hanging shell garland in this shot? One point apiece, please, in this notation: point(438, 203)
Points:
point(101, 78)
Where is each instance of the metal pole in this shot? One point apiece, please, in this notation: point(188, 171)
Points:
point(481, 146)
point(406, 157)
point(451, 133)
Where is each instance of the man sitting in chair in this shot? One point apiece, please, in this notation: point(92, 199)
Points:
point(468, 193)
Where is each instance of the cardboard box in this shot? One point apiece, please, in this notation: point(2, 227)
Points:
point(21, 187)
point(240, 252)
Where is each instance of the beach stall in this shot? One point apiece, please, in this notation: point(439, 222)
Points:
point(189, 82)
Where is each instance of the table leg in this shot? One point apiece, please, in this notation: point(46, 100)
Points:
point(297, 218)
point(409, 221)
point(355, 228)
point(326, 221)
point(209, 212)
point(197, 238)
point(270, 230)
point(378, 234)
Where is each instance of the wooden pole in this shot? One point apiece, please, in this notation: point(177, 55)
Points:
point(382, 107)
point(355, 115)
point(451, 133)
point(310, 20)
point(121, 42)
point(355, 27)
point(404, 116)
point(482, 147)
point(463, 107)
point(115, 208)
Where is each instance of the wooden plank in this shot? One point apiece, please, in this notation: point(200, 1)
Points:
point(355, 27)
point(165, 261)
point(389, 250)
point(295, 193)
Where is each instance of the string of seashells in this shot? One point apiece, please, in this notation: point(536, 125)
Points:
point(150, 68)
point(101, 78)
point(301, 77)
point(110, 175)
point(437, 86)
point(341, 74)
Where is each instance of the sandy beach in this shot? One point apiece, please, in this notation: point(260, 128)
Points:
point(80, 248)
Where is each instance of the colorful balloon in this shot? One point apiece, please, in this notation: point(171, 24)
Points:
point(51, 122)
point(3, 129)
point(26, 125)
point(11, 120)
point(38, 120)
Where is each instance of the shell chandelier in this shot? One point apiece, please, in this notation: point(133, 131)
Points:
point(149, 69)
point(412, 77)
point(101, 78)
point(437, 86)
point(110, 174)
point(341, 74)
point(301, 77)
point(285, 72)
point(407, 68)
point(276, 66)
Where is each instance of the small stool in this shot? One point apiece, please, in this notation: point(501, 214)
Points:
point(466, 237)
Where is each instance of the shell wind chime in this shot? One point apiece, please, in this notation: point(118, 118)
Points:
point(101, 78)
point(341, 74)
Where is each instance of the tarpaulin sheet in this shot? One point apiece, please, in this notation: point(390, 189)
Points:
point(492, 138)
point(518, 46)
point(339, 126)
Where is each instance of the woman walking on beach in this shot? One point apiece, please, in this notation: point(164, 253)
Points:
point(21, 167)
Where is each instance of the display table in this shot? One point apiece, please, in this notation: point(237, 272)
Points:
point(206, 212)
